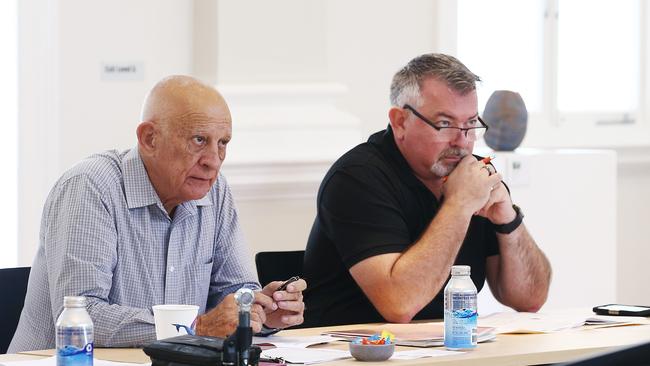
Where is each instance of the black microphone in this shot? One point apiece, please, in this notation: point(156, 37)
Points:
point(244, 298)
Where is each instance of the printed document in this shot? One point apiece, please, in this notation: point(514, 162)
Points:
point(553, 321)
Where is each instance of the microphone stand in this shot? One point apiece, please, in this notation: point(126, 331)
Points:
point(239, 343)
point(244, 338)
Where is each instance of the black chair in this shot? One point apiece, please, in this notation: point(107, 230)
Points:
point(13, 286)
point(636, 355)
point(278, 266)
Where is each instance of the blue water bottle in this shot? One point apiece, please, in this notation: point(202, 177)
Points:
point(461, 314)
point(74, 334)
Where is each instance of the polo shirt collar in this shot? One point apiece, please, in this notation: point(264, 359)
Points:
point(140, 192)
point(386, 143)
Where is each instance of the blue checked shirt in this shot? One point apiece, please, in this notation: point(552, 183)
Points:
point(106, 235)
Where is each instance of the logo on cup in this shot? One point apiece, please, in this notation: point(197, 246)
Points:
point(187, 329)
point(170, 319)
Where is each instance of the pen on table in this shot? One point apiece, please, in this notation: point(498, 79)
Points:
point(485, 160)
point(286, 283)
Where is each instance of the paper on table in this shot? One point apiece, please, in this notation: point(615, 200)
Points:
point(292, 342)
point(422, 353)
point(306, 356)
point(414, 334)
point(318, 355)
point(51, 361)
point(512, 322)
point(602, 321)
point(549, 322)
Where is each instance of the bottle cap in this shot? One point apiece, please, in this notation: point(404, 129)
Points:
point(460, 270)
point(74, 301)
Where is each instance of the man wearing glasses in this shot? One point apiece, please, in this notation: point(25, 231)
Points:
point(395, 213)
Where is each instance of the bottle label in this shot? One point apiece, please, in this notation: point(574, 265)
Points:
point(73, 356)
point(74, 347)
point(461, 322)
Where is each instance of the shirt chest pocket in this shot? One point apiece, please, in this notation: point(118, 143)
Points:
point(197, 284)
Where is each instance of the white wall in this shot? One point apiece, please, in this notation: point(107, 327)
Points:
point(68, 112)
point(156, 33)
point(311, 40)
point(368, 42)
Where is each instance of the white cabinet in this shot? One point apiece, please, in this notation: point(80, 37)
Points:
point(569, 201)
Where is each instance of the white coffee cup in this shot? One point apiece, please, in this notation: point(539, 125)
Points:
point(165, 316)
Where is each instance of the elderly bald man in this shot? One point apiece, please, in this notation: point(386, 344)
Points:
point(152, 225)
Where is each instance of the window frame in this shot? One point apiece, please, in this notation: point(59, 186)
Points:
point(553, 128)
point(10, 144)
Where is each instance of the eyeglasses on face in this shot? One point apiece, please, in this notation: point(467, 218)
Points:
point(450, 133)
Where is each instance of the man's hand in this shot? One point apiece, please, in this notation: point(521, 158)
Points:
point(289, 305)
point(224, 318)
point(498, 208)
point(470, 185)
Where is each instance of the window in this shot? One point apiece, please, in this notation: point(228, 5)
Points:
point(578, 65)
point(506, 51)
point(9, 135)
point(603, 46)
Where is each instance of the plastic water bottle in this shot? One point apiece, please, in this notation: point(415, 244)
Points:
point(74, 334)
point(460, 310)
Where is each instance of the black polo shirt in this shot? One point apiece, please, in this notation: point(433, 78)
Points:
point(371, 203)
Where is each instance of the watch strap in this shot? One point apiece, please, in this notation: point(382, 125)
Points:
point(512, 225)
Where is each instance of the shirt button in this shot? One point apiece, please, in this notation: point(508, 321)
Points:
point(171, 268)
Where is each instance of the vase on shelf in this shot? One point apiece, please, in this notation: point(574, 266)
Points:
point(506, 116)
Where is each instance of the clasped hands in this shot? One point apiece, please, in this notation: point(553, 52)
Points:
point(477, 188)
point(275, 309)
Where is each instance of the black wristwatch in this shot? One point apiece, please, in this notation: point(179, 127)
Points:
point(512, 225)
